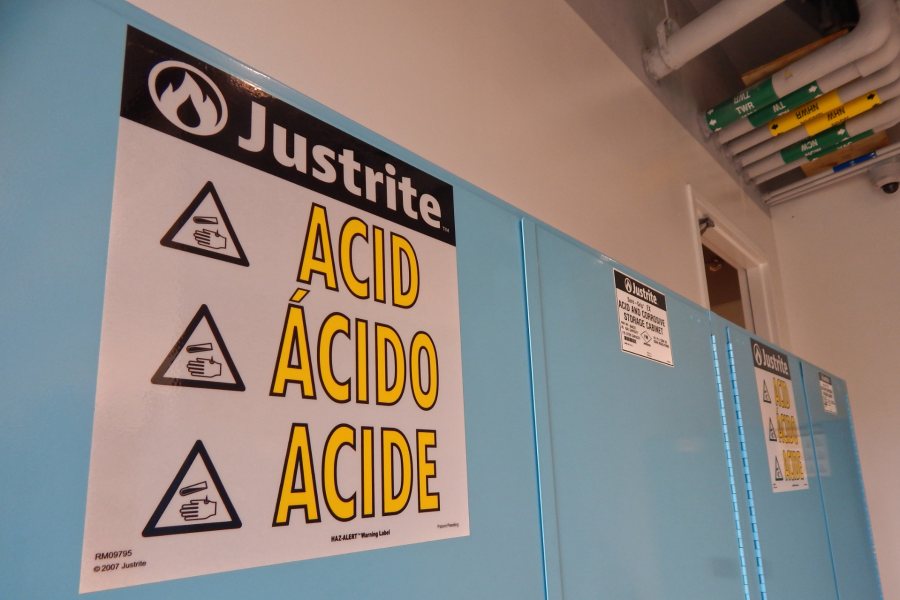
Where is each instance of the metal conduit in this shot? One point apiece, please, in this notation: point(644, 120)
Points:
point(853, 108)
point(826, 178)
point(824, 143)
point(702, 33)
point(875, 25)
point(865, 66)
point(794, 164)
point(822, 104)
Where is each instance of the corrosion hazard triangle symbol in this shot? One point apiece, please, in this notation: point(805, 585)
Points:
point(195, 501)
point(779, 476)
point(766, 396)
point(205, 229)
point(773, 437)
point(200, 358)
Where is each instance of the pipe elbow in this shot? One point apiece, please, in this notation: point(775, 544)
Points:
point(883, 56)
point(655, 64)
point(876, 23)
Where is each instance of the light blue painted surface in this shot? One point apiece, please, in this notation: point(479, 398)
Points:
point(843, 495)
point(796, 559)
point(634, 498)
point(640, 480)
point(60, 72)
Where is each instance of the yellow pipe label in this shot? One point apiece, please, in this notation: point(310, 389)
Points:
point(804, 113)
point(838, 115)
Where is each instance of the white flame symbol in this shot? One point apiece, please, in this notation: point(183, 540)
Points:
point(628, 285)
point(172, 99)
point(757, 354)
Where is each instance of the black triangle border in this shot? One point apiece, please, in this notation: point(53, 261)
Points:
point(151, 529)
point(160, 378)
point(168, 240)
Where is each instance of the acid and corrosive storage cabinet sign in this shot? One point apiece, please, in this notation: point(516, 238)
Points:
point(280, 371)
point(643, 319)
point(787, 467)
point(826, 387)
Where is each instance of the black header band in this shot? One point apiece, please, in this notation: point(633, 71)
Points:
point(179, 95)
point(646, 293)
point(769, 359)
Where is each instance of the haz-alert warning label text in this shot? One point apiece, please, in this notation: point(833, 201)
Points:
point(826, 387)
point(784, 448)
point(643, 320)
point(280, 373)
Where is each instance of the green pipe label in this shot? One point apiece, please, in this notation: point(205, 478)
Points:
point(745, 103)
point(783, 105)
point(826, 142)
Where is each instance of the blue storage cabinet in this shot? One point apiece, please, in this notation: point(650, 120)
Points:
point(634, 475)
point(840, 480)
point(61, 73)
point(789, 531)
point(592, 473)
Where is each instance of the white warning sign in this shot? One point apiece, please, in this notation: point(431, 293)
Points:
point(643, 320)
point(826, 386)
point(280, 371)
point(784, 447)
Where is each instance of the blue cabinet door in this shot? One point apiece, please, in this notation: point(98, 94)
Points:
point(843, 496)
point(789, 525)
point(634, 477)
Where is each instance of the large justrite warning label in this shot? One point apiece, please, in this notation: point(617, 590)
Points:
point(784, 448)
point(643, 319)
point(280, 374)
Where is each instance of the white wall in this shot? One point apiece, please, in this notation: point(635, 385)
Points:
point(840, 259)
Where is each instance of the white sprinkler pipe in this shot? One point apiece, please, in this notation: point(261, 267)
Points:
point(703, 33)
point(776, 144)
point(874, 63)
point(875, 25)
point(876, 18)
point(827, 178)
point(876, 119)
point(844, 94)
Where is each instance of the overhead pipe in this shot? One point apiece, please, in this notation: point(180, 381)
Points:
point(863, 67)
point(701, 34)
point(826, 178)
point(821, 105)
point(823, 150)
point(876, 19)
point(820, 123)
point(826, 142)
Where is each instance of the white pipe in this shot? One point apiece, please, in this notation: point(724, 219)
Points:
point(827, 178)
point(784, 140)
point(871, 32)
point(794, 164)
point(865, 66)
point(743, 135)
point(703, 33)
point(876, 18)
point(878, 118)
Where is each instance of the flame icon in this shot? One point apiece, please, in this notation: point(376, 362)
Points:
point(184, 101)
